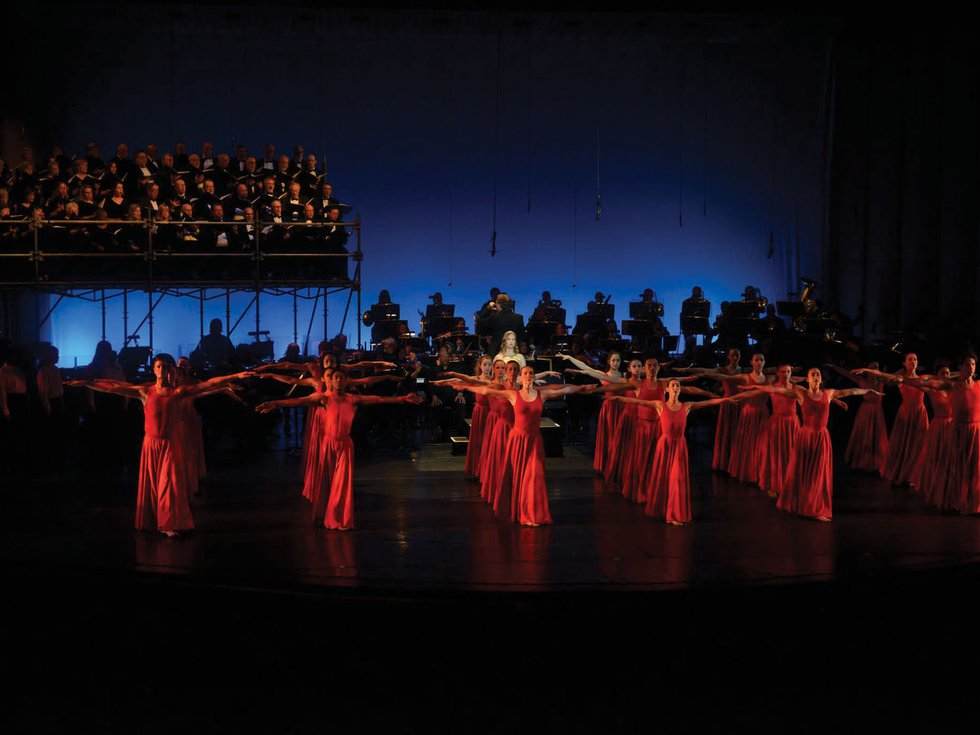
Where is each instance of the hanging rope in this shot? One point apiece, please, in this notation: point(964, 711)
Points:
point(772, 196)
point(680, 146)
point(496, 151)
point(575, 234)
point(598, 196)
point(528, 107)
point(704, 130)
point(451, 125)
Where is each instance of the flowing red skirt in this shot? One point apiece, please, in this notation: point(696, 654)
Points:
point(192, 446)
point(621, 446)
point(494, 462)
point(933, 471)
point(313, 452)
point(669, 488)
point(777, 452)
point(868, 445)
point(905, 443)
point(965, 487)
point(605, 434)
point(640, 460)
point(486, 464)
point(162, 501)
point(748, 447)
point(810, 478)
point(478, 424)
point(725, 429)
point(523, 494)
point(333, 504)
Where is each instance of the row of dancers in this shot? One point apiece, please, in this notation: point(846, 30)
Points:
point(640, 442)
point(506, 453)
point(172, 455)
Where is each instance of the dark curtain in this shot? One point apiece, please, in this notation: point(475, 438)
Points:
point(903, 246)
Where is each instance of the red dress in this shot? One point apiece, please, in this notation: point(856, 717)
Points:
point(493, 415)
point(645, 438)
point(726, 427)
point(333, 503)
point(162, 500)
point(669, 487)
point(478, 425)
point(932, 471)
point(749, 445)
point(810, 478)
point(523, 492)
point(621, 445)
point(313, 451)
point(192, 445)
point(493, 472)
point(783, 427)
point(907, 437)
point(605, 433)
point(868, 445)
point(965, 488)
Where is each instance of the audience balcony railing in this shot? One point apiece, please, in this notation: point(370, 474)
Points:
point(75, 252)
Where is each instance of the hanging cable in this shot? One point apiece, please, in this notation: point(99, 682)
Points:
point(451, 125)
point(527, 76)
point(704, 130)
point(575, 234)
point(680, 146)
point(772, 196)
point(496, 151)
point(598, 196)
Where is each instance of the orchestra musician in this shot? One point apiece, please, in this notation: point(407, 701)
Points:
point(695, 312)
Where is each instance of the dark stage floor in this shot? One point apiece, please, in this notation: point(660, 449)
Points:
point(422, 526)
point(434, 615)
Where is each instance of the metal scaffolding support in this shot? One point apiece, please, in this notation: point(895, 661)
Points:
point(102, 289)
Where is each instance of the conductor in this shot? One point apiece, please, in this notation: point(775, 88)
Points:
point(500, 317)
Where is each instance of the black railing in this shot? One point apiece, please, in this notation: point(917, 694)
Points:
point(42, 252)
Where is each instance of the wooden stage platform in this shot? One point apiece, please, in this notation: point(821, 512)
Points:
point(433, 615)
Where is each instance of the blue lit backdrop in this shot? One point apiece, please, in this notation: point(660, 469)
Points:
point(707, 144)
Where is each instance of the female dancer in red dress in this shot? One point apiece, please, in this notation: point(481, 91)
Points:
point(610, 411)
point(333, 503)
point(809, 484)
point(478, 419)
point(523, 494)
point(492, 462)
point(163, 499)
point(728, 413)
point(963, 485)
point(781, 435)
point(911, 423)
point(639, 451)
point(749, 441)
point(868, 445)
point(668, 484)
point(498, 417)
point(493, 415)
point(933, 470)
point(312, 458)
point(966, 414)
point(191, 437)
point(647, 433)
point(614, 467)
